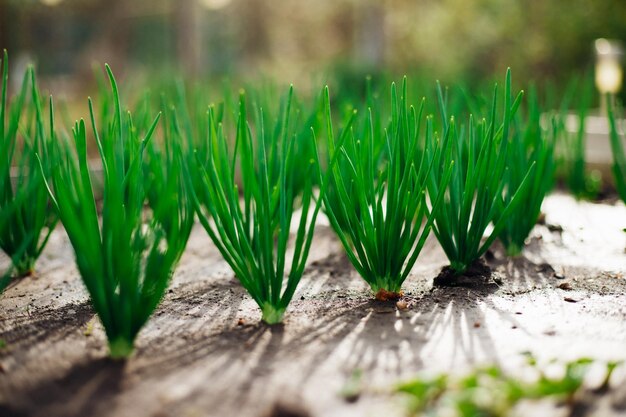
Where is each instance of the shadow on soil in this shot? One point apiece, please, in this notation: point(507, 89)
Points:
point(74, 394)
point(42, 326)
point(197, 337)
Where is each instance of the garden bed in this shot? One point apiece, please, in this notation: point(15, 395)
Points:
point(206, 353)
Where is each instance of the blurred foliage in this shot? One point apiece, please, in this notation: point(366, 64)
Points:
point(491, 392)
point(452, 39)
point(474, 38)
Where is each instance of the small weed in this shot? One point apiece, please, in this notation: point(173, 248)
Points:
point(490, 392)
point(351, 390)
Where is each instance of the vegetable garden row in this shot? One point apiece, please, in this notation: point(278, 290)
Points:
point(257, 171)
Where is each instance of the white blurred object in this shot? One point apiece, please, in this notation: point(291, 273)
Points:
point(609, 72)
point(211, 4)
point(51, 2)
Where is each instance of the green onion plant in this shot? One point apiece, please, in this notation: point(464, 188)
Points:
point(376, 200)
point(582, 183)
point(529, 145)
point(26, 231)
point(252, 229)
point(5, 216)
point(126, 258)
point(619, 155)
point(473, 199)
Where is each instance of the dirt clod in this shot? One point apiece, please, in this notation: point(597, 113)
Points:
point(477, 275)
point(565, 286)
point(384, 295)
point(402, 305)
point(545, 268)
point(281, 409)
point(555, 228)
point(542, 218)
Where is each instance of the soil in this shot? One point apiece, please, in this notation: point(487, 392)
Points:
point(205, 353)
point(477, 274)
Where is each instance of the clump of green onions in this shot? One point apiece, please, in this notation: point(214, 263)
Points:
point(582, 183)
point(252, 230)
point(377, 201)
point(127, 257)
point(473, 199)
point(529, 145)
point(28, 227)
point(619, 155)
point(5, 216)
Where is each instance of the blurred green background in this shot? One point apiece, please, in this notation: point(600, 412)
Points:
point(469, 40)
